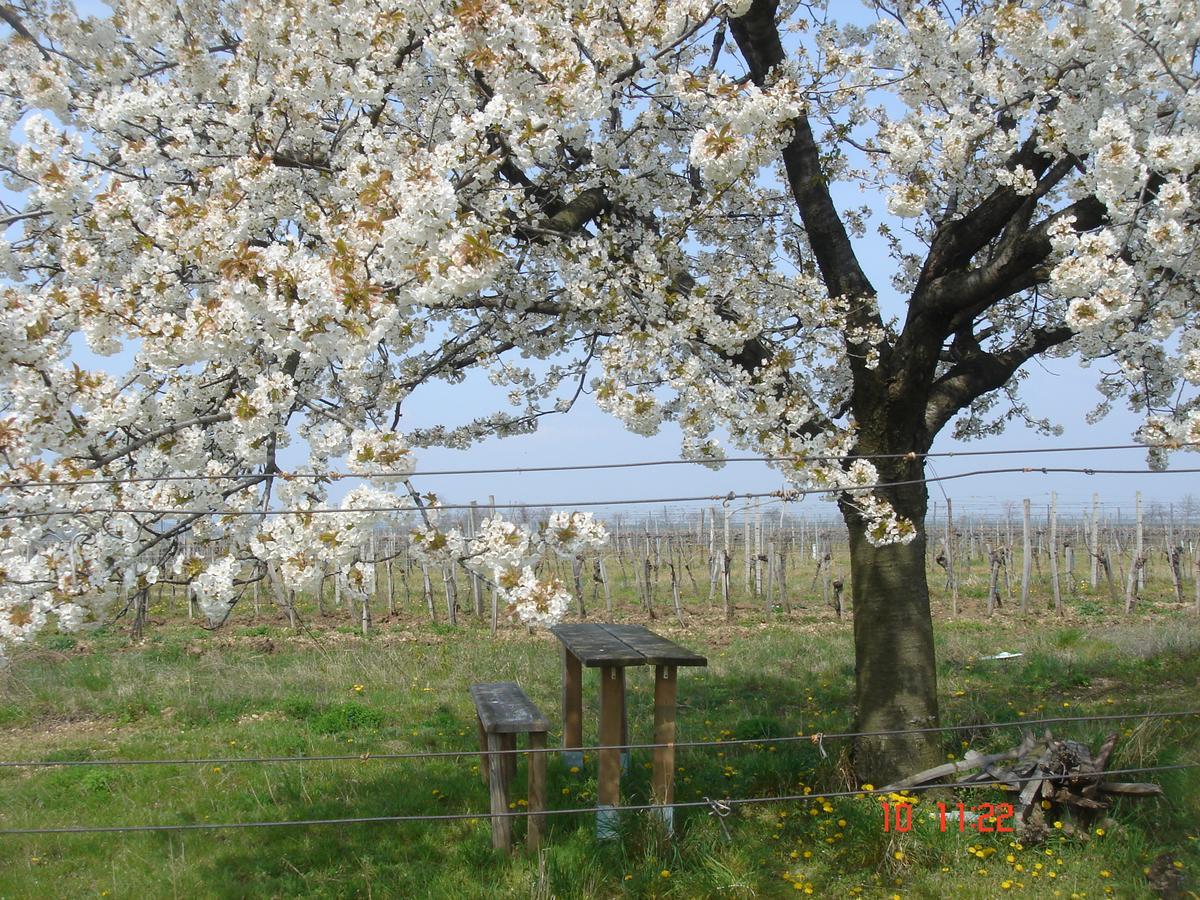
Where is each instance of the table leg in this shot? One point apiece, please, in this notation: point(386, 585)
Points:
point(483, 744)
point(612, 689)
point(572, 710)
point(663, 780)
point(624, 725)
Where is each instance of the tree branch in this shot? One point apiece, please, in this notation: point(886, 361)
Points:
point(757, 37)
point(980, 371)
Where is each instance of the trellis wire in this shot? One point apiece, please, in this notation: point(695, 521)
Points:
point(637, 464)
point(524, 813)
point(815, 737)
point(786, 494)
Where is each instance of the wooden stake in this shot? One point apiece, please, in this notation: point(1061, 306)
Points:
point(1054, 552)
point(1027, 555)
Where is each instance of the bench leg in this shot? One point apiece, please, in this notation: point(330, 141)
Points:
point(509, 742)
point(663, 780)
point(537, 790)
point(612, 691)
point(483, 744)
point(498, 792)
point(572, 710)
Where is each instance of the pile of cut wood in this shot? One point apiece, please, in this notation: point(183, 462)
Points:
point(1052, 779)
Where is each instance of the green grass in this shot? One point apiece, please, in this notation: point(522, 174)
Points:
point(259, 690)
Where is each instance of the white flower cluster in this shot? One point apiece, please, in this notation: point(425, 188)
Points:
point(508, 554)
point(214, 588)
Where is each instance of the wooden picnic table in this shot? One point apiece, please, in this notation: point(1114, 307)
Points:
point(613, 648)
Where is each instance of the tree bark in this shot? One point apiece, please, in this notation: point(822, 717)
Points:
point(895, 666)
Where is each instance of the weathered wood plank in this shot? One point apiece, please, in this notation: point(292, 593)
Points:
point(593, 646)
point(503, 708)
point(656, 649)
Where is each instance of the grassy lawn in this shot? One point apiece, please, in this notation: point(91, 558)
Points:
point(258, 689)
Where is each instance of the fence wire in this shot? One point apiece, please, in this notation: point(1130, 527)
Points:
point(584, 467)
point(525, 813)
point(814, 738)
point(786, 494)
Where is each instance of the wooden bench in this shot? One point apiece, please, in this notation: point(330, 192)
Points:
point(502, 711)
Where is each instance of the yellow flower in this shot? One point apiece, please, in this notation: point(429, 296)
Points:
point(868, 787)
point(1104, 873)
point(629, 878)
point(1177, 864)
point(899, 854)
point(574, 770)
point(1058, 825)
point(1005, 885)
point(1099, 832)
point(665, 873)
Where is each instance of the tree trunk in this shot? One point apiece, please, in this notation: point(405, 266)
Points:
point(895, 669)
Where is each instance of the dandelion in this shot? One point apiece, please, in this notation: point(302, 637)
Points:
point(899, 854)
point(358, 688)
point(665, 873)
point(574, 770)
point(1058, 825)
point(1099, 832)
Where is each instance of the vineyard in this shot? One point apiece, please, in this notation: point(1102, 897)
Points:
point(760, 560)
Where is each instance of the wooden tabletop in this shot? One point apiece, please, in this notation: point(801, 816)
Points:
point(599, 644)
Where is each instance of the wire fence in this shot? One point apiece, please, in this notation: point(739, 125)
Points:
point(585, 467)
point(788, 494)
point(715, 805)
point(814, 737)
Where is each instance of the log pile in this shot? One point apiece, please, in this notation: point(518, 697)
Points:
point(1052, 780)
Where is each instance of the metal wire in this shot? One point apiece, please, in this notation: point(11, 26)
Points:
point(785, 494)
point(523, 470)
point(679, 745)
point(525, 813)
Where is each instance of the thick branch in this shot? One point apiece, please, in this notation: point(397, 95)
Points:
point(980, 372)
